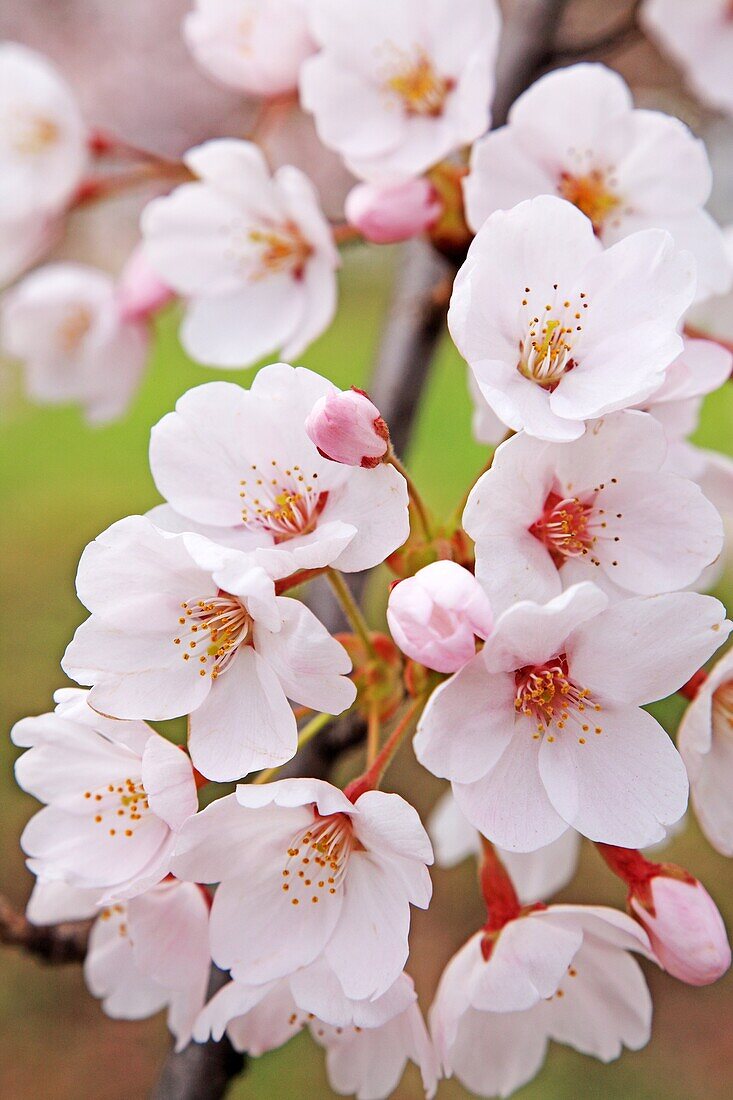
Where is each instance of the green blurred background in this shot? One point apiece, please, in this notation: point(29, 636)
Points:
point(60, 485)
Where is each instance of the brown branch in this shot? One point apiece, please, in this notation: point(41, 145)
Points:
point(55, 943)
point(614, 39)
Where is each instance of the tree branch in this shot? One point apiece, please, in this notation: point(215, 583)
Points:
point(54, 943)
point(618, 36)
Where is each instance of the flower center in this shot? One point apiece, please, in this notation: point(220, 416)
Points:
point(414, 81)
point(564, 527)
point(592, 193)
point(119, 807)
point(547, 695)
point(116, 913)
point(282, 501)
point(74, 328)
point(317, 859)
point(570, 527)
point(215, 628)
point(281, 248)
point(545, 353)
point(31, 134)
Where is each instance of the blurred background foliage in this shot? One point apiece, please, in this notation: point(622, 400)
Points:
point(62, 483)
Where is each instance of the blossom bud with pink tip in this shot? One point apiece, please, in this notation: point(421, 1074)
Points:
point(347, 427)
point(436, 615)
point(685, 928)
point(140, 292)
point(393, 212)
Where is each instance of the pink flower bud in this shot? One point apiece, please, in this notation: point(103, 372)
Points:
point(392, 213)
point(346, 427)
point(435, 616)
point(685, 928)
point(139, 290)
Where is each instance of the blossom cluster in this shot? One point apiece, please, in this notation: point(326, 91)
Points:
point(528, 635)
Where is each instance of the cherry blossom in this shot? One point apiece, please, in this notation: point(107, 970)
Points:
point(413, 86)
point(367, 1043)
point(602, 508)
point(536, 875)
point(23, 242)
point(116, 794)
point(165, 638)
point(256, 46)
point(705, 740)
point(436, 615)
point(347, 427)
point(152, 953)
point(396, 212)
point(43, 139)
point(685, 928)
point(252, 252)
point(542, 729)
point(63, 321)
point(139, 292)
point(699, 37)
point(305, 874)
point(564, 331)
point(563, 973)
point(575, 133)
point(238, 465)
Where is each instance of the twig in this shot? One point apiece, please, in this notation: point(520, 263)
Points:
point(55, 943)
point(202, 1071)
point(618, 36)
point(527, 47)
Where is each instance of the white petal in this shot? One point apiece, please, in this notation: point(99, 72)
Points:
point(646, 647)
point(622, 786)
point(245, 723)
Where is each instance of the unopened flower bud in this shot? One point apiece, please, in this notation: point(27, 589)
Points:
point(140, 292)
point(436, 615)
point(395, 212)
point(685, 929)
point(346, 427)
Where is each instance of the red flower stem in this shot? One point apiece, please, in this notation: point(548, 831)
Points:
point(497, 889)
point(374, 774)
point(693, 685)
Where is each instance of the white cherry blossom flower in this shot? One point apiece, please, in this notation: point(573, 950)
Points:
point(64, 323)
point(256, 46)
point(702, 367)
point(43, 156)
point(600, 508)
point(705, 741)
point(152, 953)
point(239, 466)
point(536, 876)
point(252, 252)
point(116, 794)
point(43, 140)
point(563, 973)
point(557, 330)
point(413, 85)
point(23, 242)
point(542, 729)
point(575, 134)
point(55, 902)
point(305, 874)
point(165, 639)
point(367, 1043)
point(699, 37)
